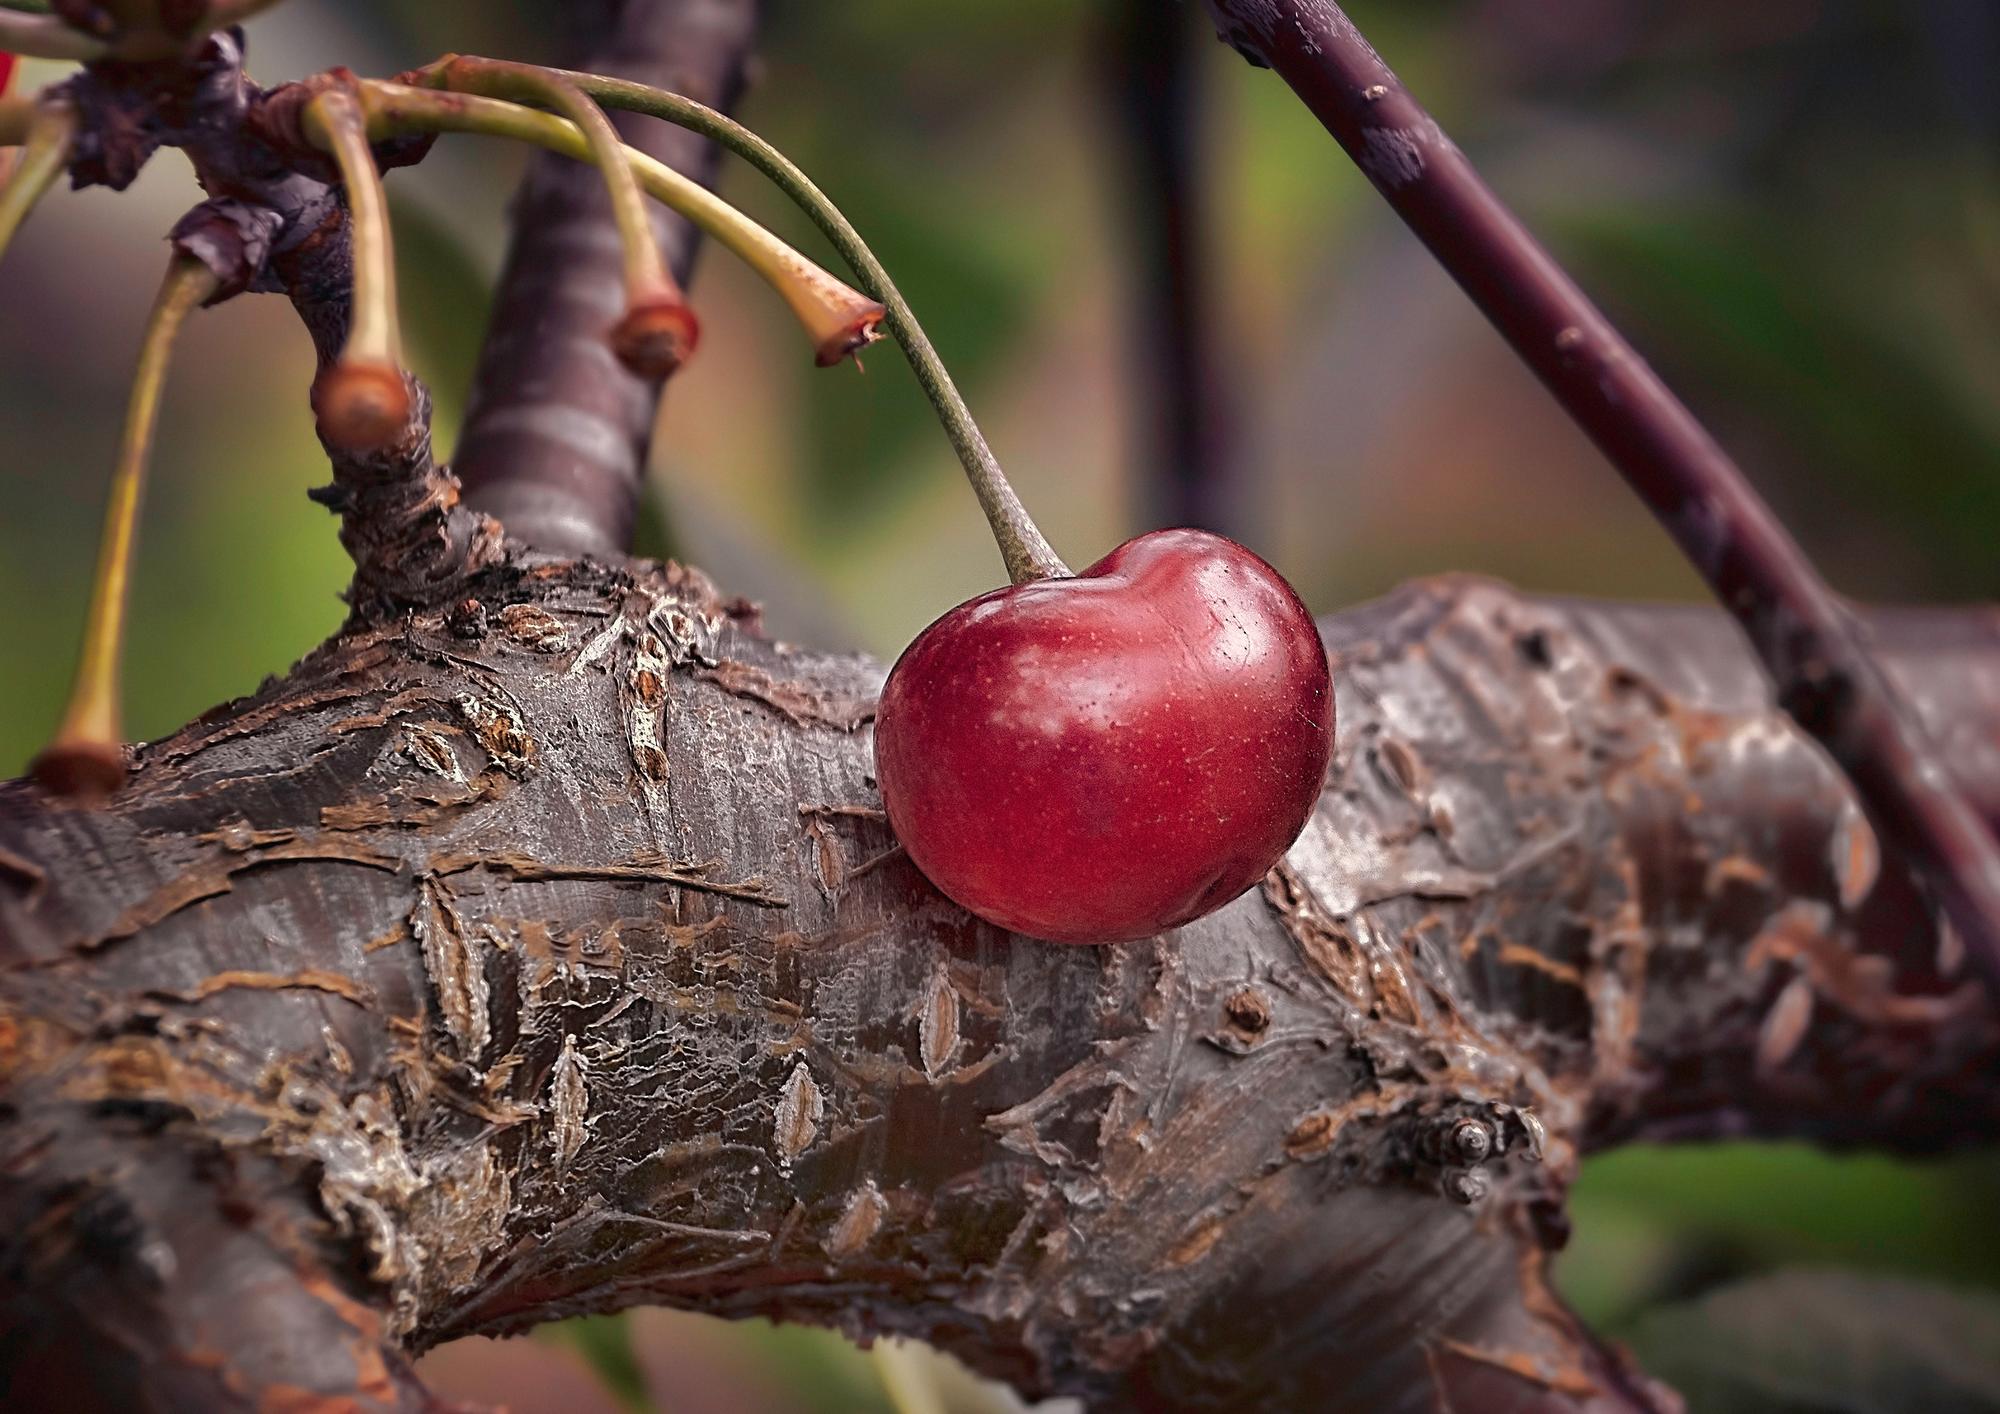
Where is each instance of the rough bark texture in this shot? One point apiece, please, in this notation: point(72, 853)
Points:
point(551, 956)
point(537, 946)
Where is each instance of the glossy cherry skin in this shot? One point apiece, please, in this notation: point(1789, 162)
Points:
point(1099, 758)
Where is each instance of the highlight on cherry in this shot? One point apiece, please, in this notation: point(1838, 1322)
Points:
point(1080, 757)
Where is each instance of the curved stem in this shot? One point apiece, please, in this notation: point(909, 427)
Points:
point(1022, 546)
point(47, 37)
point(52, 37)
point(224, 13)
point(838, 318)
point(374, 336)
point(51, 132)
point(15, 116)
point(650, 289)
point(363, 400)
point(85, 755)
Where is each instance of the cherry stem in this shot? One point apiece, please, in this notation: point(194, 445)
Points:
point(51, 131)
point(47, 37)
point(647, 280)
point(16, 114)
point(91, 719)
point(837, 317)
point(224, 13)
point(1027, 553)
point(335, 121)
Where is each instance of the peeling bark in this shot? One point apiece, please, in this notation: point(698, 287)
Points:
point(538, 946)
point(409, 996)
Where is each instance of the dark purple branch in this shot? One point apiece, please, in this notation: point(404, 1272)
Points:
point(1805, 635)
point(556, 439)
point(1184, 468)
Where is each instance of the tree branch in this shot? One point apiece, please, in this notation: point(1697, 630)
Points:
point(400, 517)
point(1806, 637)
point(278, 223)
point(556, 438)
point(540, 948)
point(484, 934)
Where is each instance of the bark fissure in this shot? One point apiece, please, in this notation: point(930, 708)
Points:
point(529, 1060)
point(538, 946)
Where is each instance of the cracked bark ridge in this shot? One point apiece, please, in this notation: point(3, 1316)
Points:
point(548, 953)
point(556, 439)
point(1809, 640)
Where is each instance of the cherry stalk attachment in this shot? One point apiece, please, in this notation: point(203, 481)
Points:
point(1104, 757)
point(1083, 758)
point(364, 399)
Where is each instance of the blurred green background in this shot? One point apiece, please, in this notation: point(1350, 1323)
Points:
point(1793, 206)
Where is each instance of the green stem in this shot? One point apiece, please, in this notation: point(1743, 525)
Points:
point(362, 399)
point(837, 317)
point(90, 728)
point(335, 121)
point(224, 13)
point(1022, 546)
point(51, 131)
point(47, 37)
point(646, 276)
point(16, 115)
point(44, 36)
point(658, 331)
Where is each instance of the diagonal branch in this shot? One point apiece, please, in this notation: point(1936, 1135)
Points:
point(555, 441)
point(1807, 638)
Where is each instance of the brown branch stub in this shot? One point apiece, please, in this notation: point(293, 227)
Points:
point(278, 225)
point(556, 438)
point(401, 521)
point(233, 238)
point(1808, 640)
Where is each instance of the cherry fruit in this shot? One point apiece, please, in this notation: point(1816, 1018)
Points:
point(1095, 758)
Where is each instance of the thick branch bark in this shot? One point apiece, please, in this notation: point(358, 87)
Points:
point(464, 980)
point(1807, 637)
point(555, 441)
point(537, 947)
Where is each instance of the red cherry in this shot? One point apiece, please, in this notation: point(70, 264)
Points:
point(1098, 758)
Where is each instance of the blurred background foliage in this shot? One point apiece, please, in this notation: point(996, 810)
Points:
point(1792, 205)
